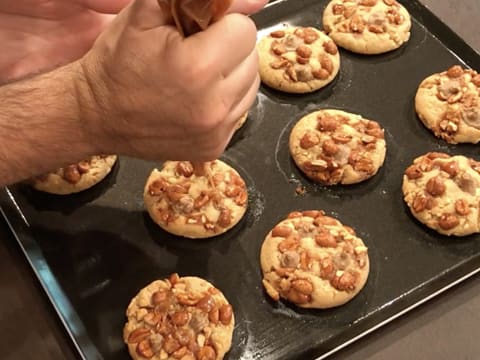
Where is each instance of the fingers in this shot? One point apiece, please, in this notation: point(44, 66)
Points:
point(245, 102)
point(224, 44)
point(148, 14)
point(237, 84)
point(247, 6)
point(104, 6)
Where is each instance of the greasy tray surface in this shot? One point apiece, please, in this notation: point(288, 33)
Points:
point(93, 251)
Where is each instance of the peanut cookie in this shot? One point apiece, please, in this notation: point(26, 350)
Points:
point(448, 103)
point(241, 121)
point(313, 261)
point(367, 26)
point(196, 201)
point(297, 59)
point(443, 192)
point(179, 318)
point(75, 177)
point(333, 146)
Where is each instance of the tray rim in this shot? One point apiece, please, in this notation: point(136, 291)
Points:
point(72, 323)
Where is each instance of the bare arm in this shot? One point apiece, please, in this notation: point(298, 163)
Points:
point(41, 125)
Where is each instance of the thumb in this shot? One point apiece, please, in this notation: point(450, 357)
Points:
point(148, 14)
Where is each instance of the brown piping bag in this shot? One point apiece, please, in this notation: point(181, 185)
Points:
point(192, 16)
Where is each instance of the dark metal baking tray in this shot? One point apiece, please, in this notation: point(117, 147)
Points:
point(93, 251)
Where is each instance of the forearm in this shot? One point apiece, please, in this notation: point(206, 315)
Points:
point(41, 125)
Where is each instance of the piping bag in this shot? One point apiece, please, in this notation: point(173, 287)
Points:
point(190, 17)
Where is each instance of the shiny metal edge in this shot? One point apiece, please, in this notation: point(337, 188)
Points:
point(65, 311)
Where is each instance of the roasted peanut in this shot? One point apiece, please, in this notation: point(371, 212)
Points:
point(279, 64)
point(337, 9)
point(83, 166)
point(138, 335)
point(278, 48)
point(184, 168)
point(290, 243)
point(160, 296)
point(344, 281)
point(413, 172)
point(448, 221)
point(201, 200)
point(304, 51)
point(357, 25)
point(341, 138)
point(242, 198)
point(303, 286)
point(297, 297)
point(368, 2)
point(206, 353)
point(451, 167)
point(71, 174)
point(330, 47)
point(225, 314)
point(312, 213)
point(206, 303)
point(277, 34)
point(461, 207)
point(281, 231)
point(175, 192)
point(325, 239)
point(325, 220)
point(170, 345)
point(184, 335)
point(436, 186)
point(326, 63)
point(144, 349)
point(320, 74)
point(329, 147)
point(180, 318)
point(476, 80)
point(390, 2)
point(152, 318)
point(180, 353)
point(308, 140)
point(225, 218)
point(309, 35)
point(455, 71)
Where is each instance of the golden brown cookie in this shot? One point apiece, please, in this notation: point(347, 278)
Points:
point(336, 147)
point(75, 177)
point(297, 59)
point(196, 202)
point(367, 26)
point(313, 261)
point(443, 192)
point(179, 318)
point(448, 103)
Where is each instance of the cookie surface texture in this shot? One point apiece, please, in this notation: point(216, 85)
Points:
point(196, 201)
point(335, 147)
point(313, 261)
point(367, 26)
point(443, 192)
point(448, 103)
point(75, 177)
point(297, 59)
point(179, 318)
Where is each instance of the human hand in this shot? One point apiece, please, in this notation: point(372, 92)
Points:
point(148, 92)
point(40, 35)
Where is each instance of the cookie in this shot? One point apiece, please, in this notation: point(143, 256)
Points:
point(297, 59)
point(241, 121)
point(336, 147)
point(179, 318)
point(75, 177)
point(198, 201)
point(313, 261)
point(448, 103)
point(443, 192)
point(367, 26)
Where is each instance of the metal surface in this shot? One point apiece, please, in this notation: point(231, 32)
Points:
point(94, 251)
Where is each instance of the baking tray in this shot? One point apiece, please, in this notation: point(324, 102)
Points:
point(93, 251)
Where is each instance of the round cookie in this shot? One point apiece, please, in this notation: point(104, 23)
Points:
point(75, 177)
point(297, 59)
point(448, 103)
point(443, 192)
point(333, 146)
point(179, 318)
point(198, 201)
point(313, 261)
point(367, 26)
